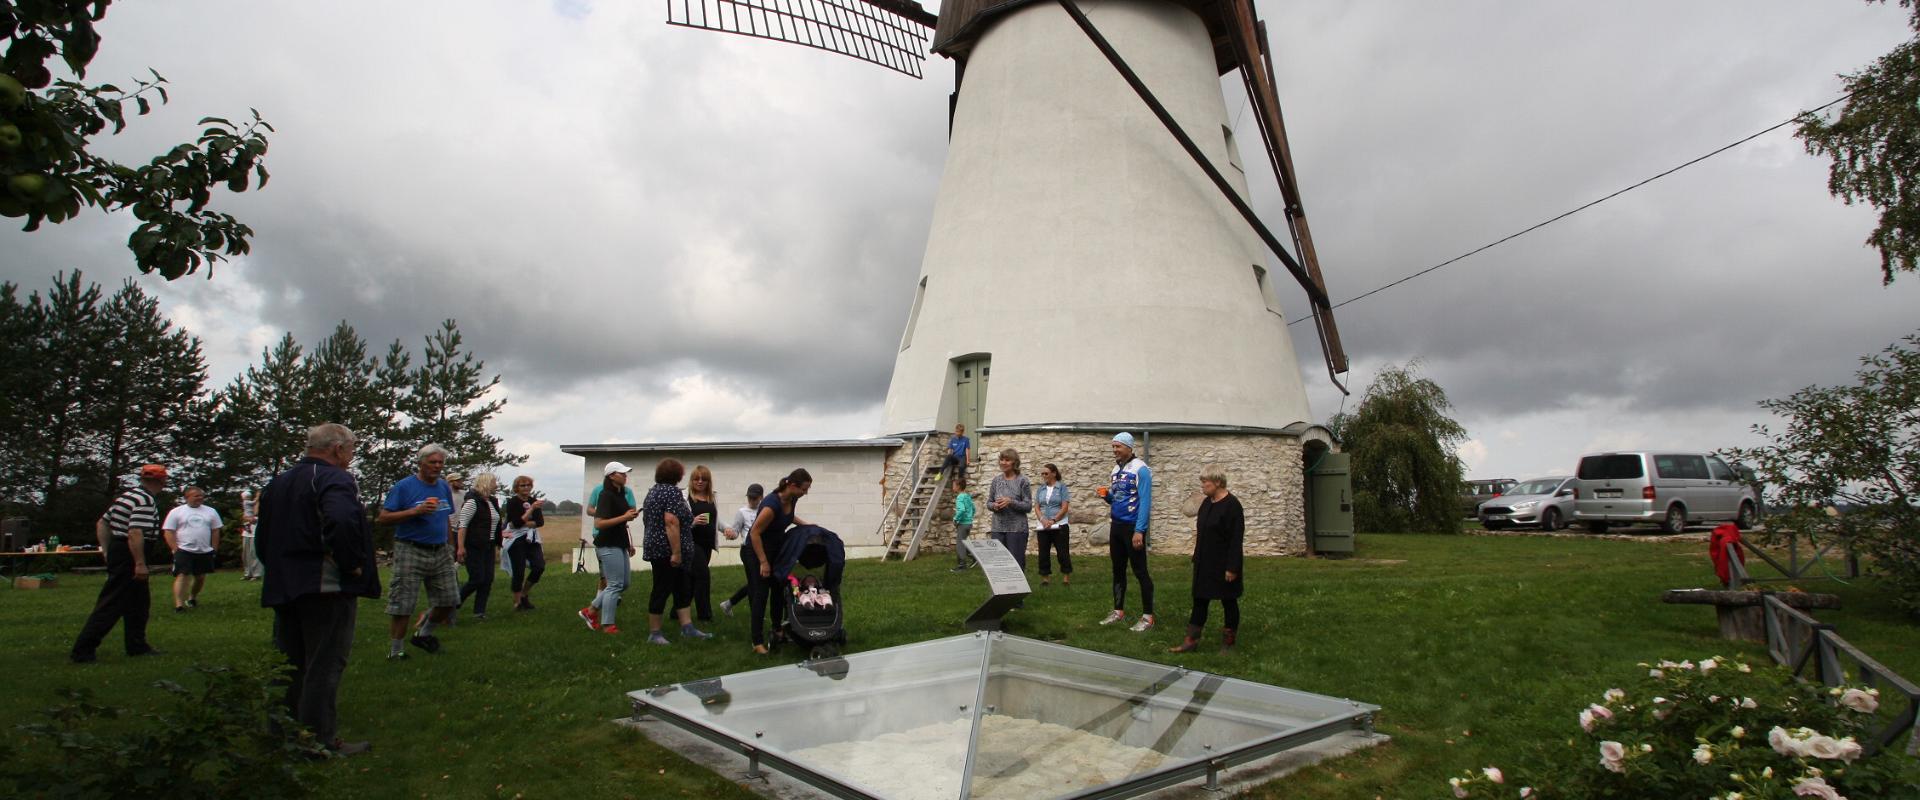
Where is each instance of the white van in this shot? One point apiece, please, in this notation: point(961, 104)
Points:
point(1651, 486)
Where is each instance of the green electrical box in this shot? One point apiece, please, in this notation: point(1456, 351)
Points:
point(1330, 506)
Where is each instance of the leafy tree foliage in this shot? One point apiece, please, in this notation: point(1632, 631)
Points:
point(1406, 475)
point(48, 172)
point(1855, 447)
point(1874, 141)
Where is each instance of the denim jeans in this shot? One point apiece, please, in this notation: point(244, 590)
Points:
point(616, 567)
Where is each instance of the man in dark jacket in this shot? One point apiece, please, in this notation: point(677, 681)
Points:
point(316, 545)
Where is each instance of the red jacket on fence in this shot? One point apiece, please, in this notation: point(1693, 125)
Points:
point(1717, 548)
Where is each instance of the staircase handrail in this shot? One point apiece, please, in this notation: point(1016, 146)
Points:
point(912, 479)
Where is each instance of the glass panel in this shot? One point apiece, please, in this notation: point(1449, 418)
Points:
point(1060, 720)
point(992, 716)
point(852, 718)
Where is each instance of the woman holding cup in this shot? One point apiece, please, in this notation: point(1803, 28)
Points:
point(701, 502)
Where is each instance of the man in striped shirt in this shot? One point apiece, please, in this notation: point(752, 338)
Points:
point(130, 523)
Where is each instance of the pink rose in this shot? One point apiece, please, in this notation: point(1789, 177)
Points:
point(1865, 702)
point(1816, 787)
point(1613, 756)
point(1783, 742)
point(1824, 747)
point(1494, 774)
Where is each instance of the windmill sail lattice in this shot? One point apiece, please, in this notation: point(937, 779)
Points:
point(892, 35)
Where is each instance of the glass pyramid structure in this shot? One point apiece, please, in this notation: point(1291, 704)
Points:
point(990, 715)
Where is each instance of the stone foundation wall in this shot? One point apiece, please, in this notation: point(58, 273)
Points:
point(1264, 471)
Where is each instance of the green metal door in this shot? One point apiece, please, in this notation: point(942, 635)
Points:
point(1330, 506)
point(971, 391)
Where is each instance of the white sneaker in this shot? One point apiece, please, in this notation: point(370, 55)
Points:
point(1145, 624)
point(726, 607)
point(1117, 616)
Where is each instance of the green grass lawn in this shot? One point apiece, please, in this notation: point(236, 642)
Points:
point(1480, 649)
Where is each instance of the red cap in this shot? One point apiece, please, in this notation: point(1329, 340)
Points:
point(154, 471)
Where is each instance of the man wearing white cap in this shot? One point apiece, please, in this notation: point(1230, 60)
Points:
point(1130, 495)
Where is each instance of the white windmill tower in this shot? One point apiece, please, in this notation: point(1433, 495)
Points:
point(1093, 263)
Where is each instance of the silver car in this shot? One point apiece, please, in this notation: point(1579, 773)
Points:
point(1546, 502)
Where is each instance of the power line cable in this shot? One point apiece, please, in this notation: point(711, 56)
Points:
point(1537, 226)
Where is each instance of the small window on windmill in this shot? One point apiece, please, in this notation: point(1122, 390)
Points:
point(1266, 292)
point(1233, 150)
point(913, 316)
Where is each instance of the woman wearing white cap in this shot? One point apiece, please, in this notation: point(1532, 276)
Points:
point(1130, 494)
point(613, 507)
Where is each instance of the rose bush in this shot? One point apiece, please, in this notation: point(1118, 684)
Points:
point(1718, 729)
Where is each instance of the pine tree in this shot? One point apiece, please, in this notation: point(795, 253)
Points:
point(448, 404)
point(156, 376)
point(386, 448)
point(70, 347)
point(97, 388)
point(18, 428)
point(262, 416)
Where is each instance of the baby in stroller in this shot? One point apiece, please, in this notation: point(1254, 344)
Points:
point(812, 561)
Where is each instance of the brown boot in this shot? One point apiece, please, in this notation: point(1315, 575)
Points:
point(1191, 643)
point(1226, 640)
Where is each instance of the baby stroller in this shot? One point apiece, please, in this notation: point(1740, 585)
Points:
point(809, 567)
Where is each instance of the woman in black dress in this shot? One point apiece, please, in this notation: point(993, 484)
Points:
point(1217, 544)
point(700, 501)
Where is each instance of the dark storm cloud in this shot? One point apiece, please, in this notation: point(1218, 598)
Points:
point(705, 207)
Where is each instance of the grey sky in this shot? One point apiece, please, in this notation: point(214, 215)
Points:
point(655, 233)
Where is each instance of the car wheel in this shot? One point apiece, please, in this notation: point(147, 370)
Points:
point(1550, 520)
point(1676, 520)
point(1596, 527)
point(1745, 520)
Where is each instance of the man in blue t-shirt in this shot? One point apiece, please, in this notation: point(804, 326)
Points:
point(957, 448)
point(420, 507)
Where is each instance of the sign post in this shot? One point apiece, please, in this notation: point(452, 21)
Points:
point(1005, 579)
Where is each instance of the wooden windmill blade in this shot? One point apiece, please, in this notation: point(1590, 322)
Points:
point(890, 33)
point(1248, 41)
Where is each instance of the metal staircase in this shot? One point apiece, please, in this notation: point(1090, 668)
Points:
point(911, 511)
